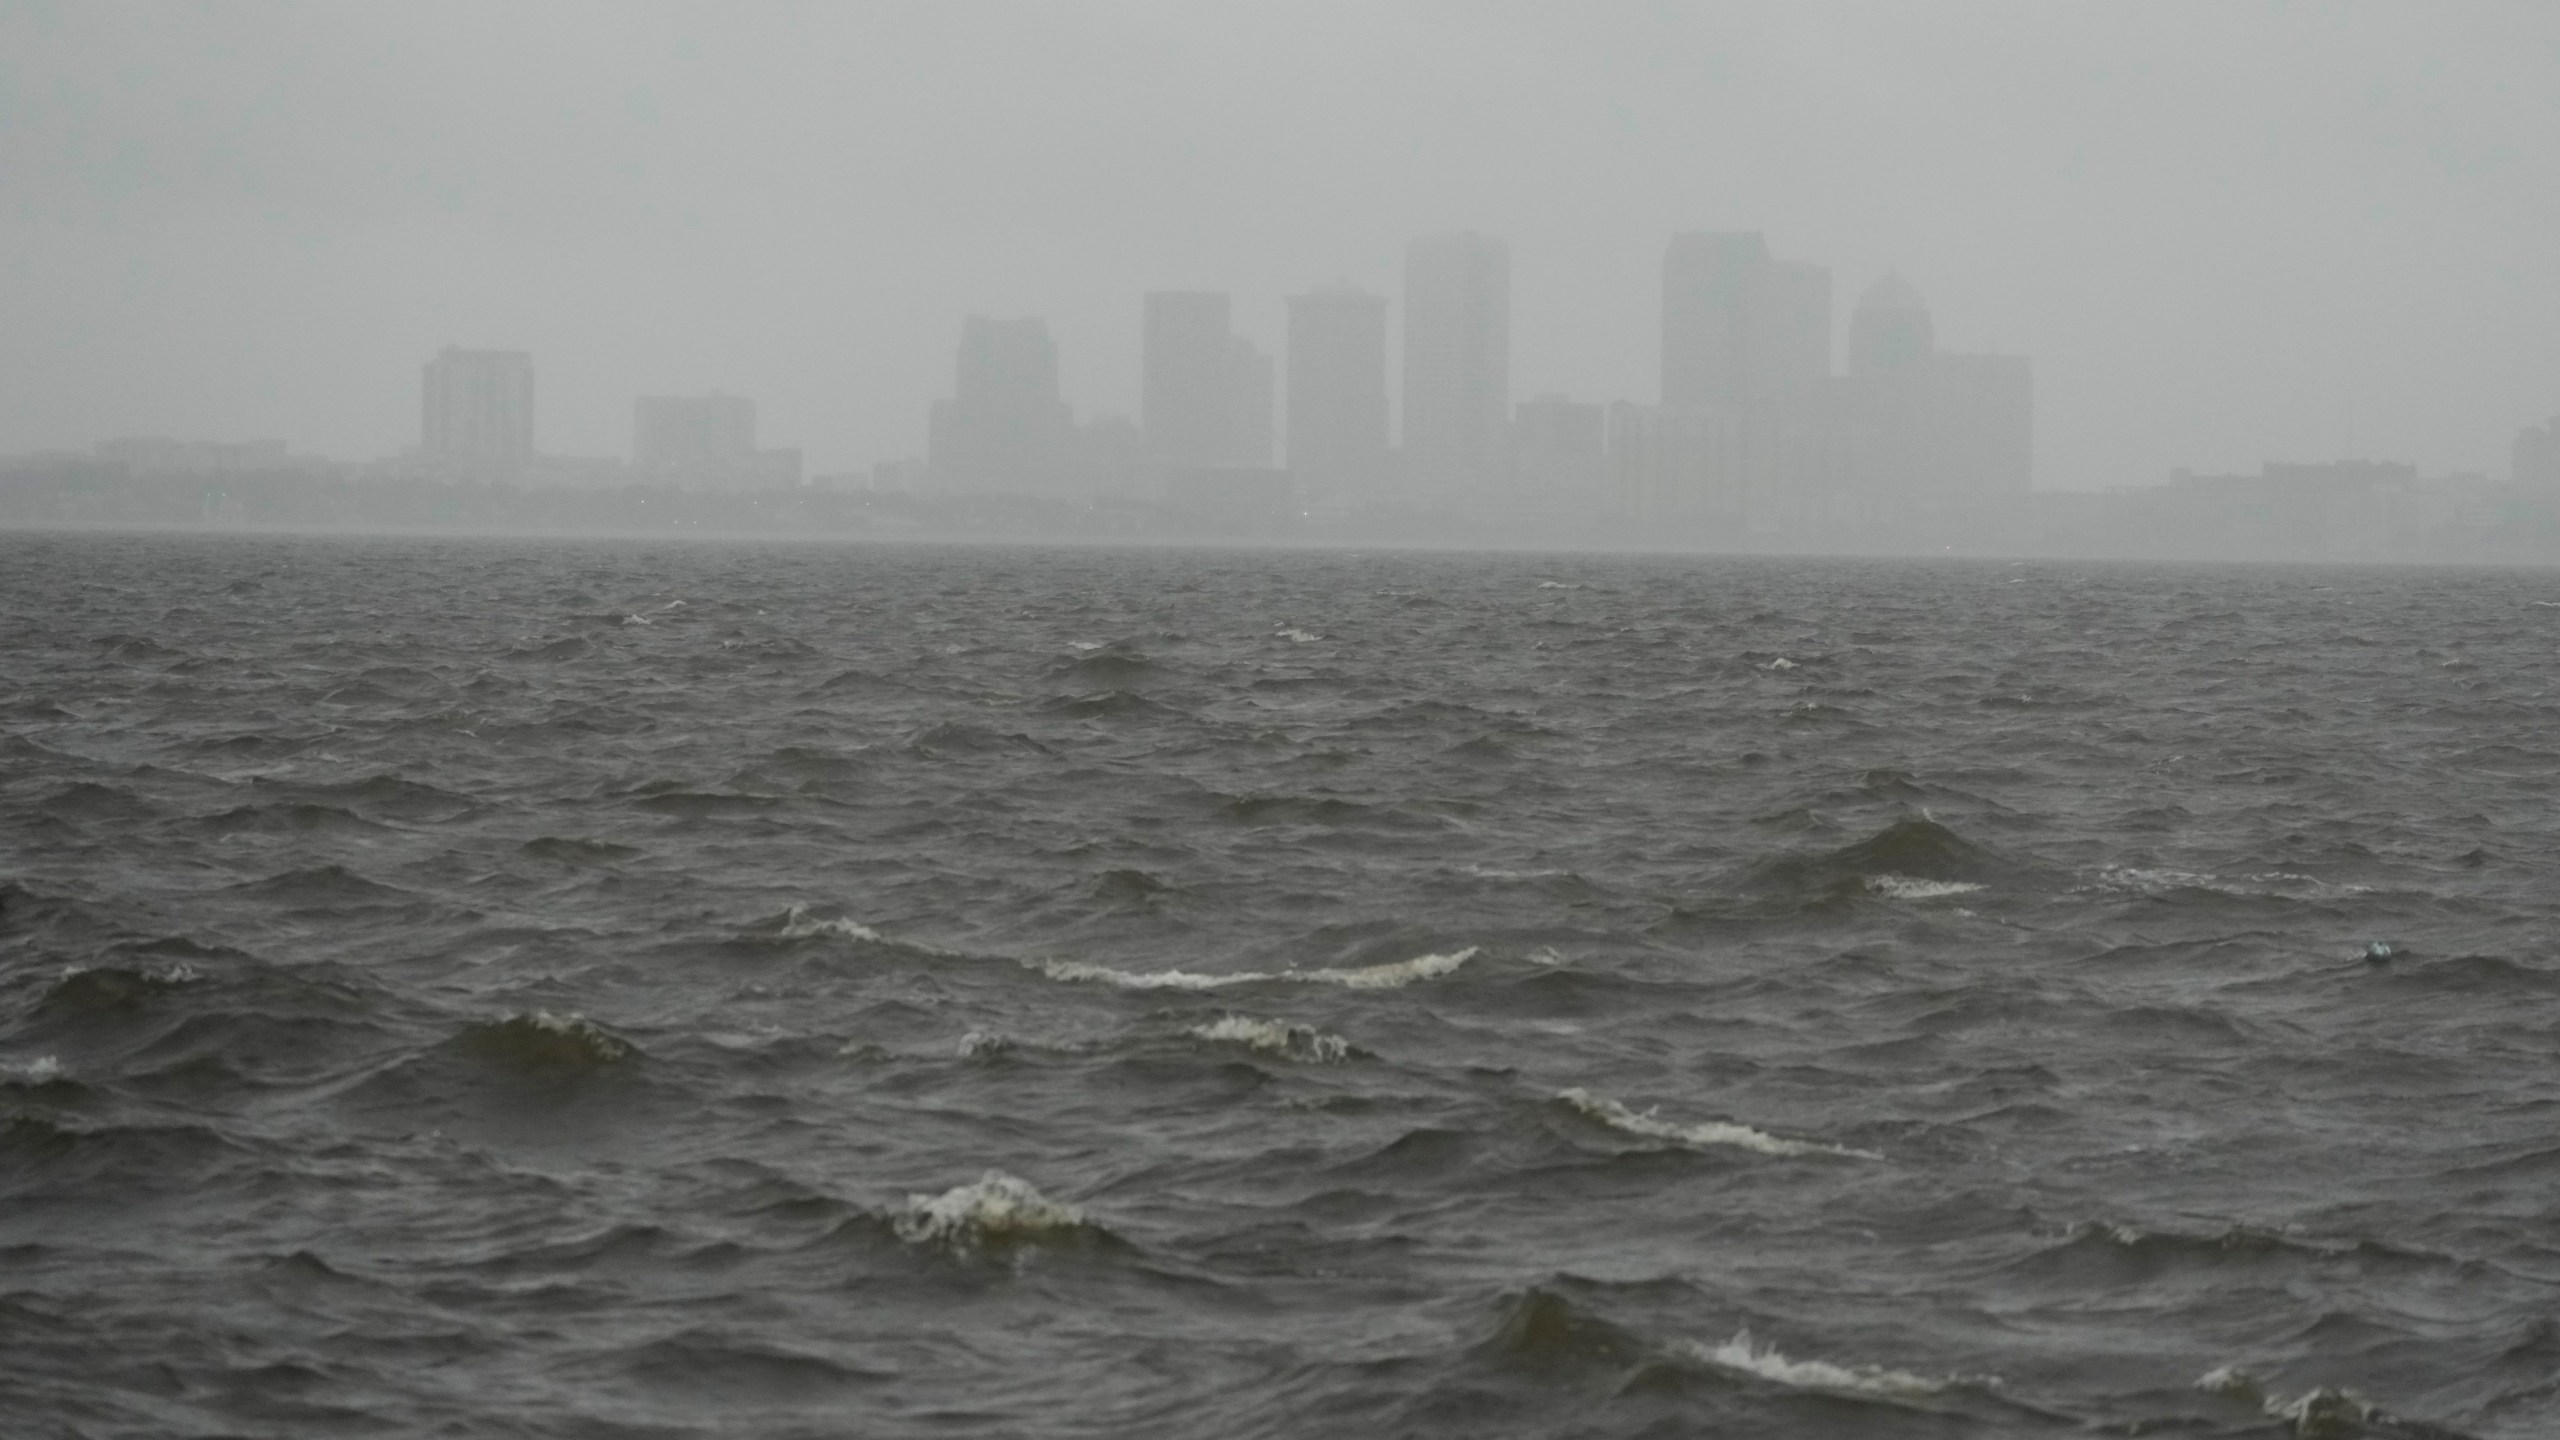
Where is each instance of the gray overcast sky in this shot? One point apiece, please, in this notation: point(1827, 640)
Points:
point(2225, 231)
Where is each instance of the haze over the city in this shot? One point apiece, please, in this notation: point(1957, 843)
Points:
point(2224, 232)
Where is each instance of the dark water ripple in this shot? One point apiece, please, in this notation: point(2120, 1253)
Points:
point(573, 990)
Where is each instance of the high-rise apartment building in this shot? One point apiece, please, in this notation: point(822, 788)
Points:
point(1337, 400)
point(1928, 423)
point(1004, 429)
point(1457, 360)
point(478, 410)
point(1739, 326)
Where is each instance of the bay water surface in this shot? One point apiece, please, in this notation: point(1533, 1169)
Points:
point(535, 988)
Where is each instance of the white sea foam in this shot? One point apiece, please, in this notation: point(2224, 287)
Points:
point(1739, 1353)
point(1275, 1037)
point(1711, 1132)
point(601, 1043)
point(996, 1208)
point(1361, 977)
point(799, 924)
point(1296, 636)
point(1782, 663)
point(979, 1043)
point(1905, 887)
point(1560, 585)
point(38, 1071)
point(2317, 1412)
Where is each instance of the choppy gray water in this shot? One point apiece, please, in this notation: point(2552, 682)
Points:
point(537, 989)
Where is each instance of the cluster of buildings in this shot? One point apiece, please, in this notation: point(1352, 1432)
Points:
point(476, 423)
point(1773, 429)
point(1757, 436)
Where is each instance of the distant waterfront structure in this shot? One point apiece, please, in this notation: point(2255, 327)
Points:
point(2537, 455)
point(1739, 326)
point(478, 411)
point(1337, 398)
point(1004, 429)
point(706, 442)
point(1457, 363)
point(1204, 392)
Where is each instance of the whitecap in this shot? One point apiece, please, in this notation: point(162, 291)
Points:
point(1782, 663)
point(574, 1026)
point(978, 1044)
point(1739, 1353)
point(1274, 1037)
point(1560, 585)
point(1905, 887)
point(996, 1208)
point(1387, 976)
point(1710, 1132)
point(1296, 636)
point(39, 1071)
point(799, 924)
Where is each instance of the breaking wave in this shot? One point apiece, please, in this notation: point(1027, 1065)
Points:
point(994, 1211)
point(1765, 1361)
point(1275, 1037)
point(1389, 976)
point(1904, 887)
point(799, 924)
point(546, 1043)
point(1709, 1132)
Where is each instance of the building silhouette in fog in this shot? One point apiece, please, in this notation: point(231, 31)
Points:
point(1932, 429)
point(477, 415)
point(1004, 430)
point(2537, 455)
point(1457, 364)
point(1559, 459)
point(706, 442)
point(1205, 393)
point(1337, 398)
point(1739, 326)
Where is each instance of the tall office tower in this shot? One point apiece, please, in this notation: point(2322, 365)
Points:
point(1184, 393)
point(1337, 425)
point(1927, 422)
point(2537, 455)
point(677, 431)
point(1739, 326)
point(478, 412)
point(1251, 384)
point(1004, 429)
point(1457, 359)
point(1890, 332)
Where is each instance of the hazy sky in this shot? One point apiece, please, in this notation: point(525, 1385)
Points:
point(2225, 231)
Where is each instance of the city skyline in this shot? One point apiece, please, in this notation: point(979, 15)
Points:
point(2225, 232)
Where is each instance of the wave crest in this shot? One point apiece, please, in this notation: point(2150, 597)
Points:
point(1766, 1362)
point(994, 1211)
point(547, 1043)
point(1709, 1132)
point(1389, 976)
point(1275, 1037)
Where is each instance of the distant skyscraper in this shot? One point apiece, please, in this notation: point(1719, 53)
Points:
point(1928, 422)
point(1559, 455)
point(478, 412)
point(1204, 393)
point(1184, 403)
point(672, 431)
point(1457, 359)
point(1004, 429)
point(1890, 332)
point(1337, 426)
point(706, 442)
point(1739, 326)
point(2537, 455)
